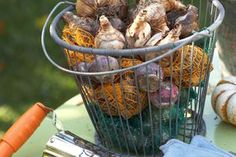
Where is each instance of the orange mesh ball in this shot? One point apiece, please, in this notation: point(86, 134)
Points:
point(194, 62)
point(128, 62)
point(121, 99)
point(128, 74)
point(79, 37)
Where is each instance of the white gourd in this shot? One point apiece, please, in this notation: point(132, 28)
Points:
point(223, 99)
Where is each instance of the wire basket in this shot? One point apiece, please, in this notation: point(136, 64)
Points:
point(137, 105)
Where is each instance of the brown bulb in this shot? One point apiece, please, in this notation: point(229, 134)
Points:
point(172, 4)
point(156, 15)
point(168, 5)
point(139, 31)
point(84, 23)
point(96, 8)
point(118, 24)
point(108, 37)
point(86, 8)
point(172, 36)
point(173, 15)
point(189, 21)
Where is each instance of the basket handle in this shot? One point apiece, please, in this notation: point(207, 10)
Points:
point(135, 51)
point(174, 46)
point(22, 129)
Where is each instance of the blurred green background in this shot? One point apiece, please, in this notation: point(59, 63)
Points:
point(26, 76)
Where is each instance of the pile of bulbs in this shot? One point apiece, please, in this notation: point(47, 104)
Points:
point(116, 24)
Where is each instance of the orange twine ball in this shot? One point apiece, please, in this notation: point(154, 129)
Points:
point(194, 62)
point(125, 63)
point(128, 62)
point(121, 99)
point(79, 37)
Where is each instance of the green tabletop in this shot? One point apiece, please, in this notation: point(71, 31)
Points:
point(75, 118)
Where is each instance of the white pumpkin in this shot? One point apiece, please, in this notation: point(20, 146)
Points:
point(223, 99)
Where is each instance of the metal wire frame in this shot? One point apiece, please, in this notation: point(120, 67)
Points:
point(193, 108)
point(124, 52)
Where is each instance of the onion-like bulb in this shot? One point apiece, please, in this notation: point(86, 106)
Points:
point(108, 37)
point(94, 8)
point(139, 31)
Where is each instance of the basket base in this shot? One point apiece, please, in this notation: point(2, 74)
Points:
point(189, 129)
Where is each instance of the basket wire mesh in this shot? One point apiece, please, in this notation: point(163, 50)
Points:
point(120, 107)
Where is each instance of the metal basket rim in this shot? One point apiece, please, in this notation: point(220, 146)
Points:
point(133, 51)
point(172, 47)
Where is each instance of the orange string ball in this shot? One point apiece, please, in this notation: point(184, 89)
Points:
point(128, 62)
point(79, 37)
point(128, 74)
point(192, 62)
point(121, 99)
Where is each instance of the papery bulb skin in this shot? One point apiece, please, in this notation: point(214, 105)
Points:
point(85, 23)
point(108, 37)
point(139, 31)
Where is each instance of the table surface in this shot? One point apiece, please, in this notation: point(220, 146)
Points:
point(75, 118)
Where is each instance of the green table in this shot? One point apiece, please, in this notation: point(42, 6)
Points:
point(75, 118)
